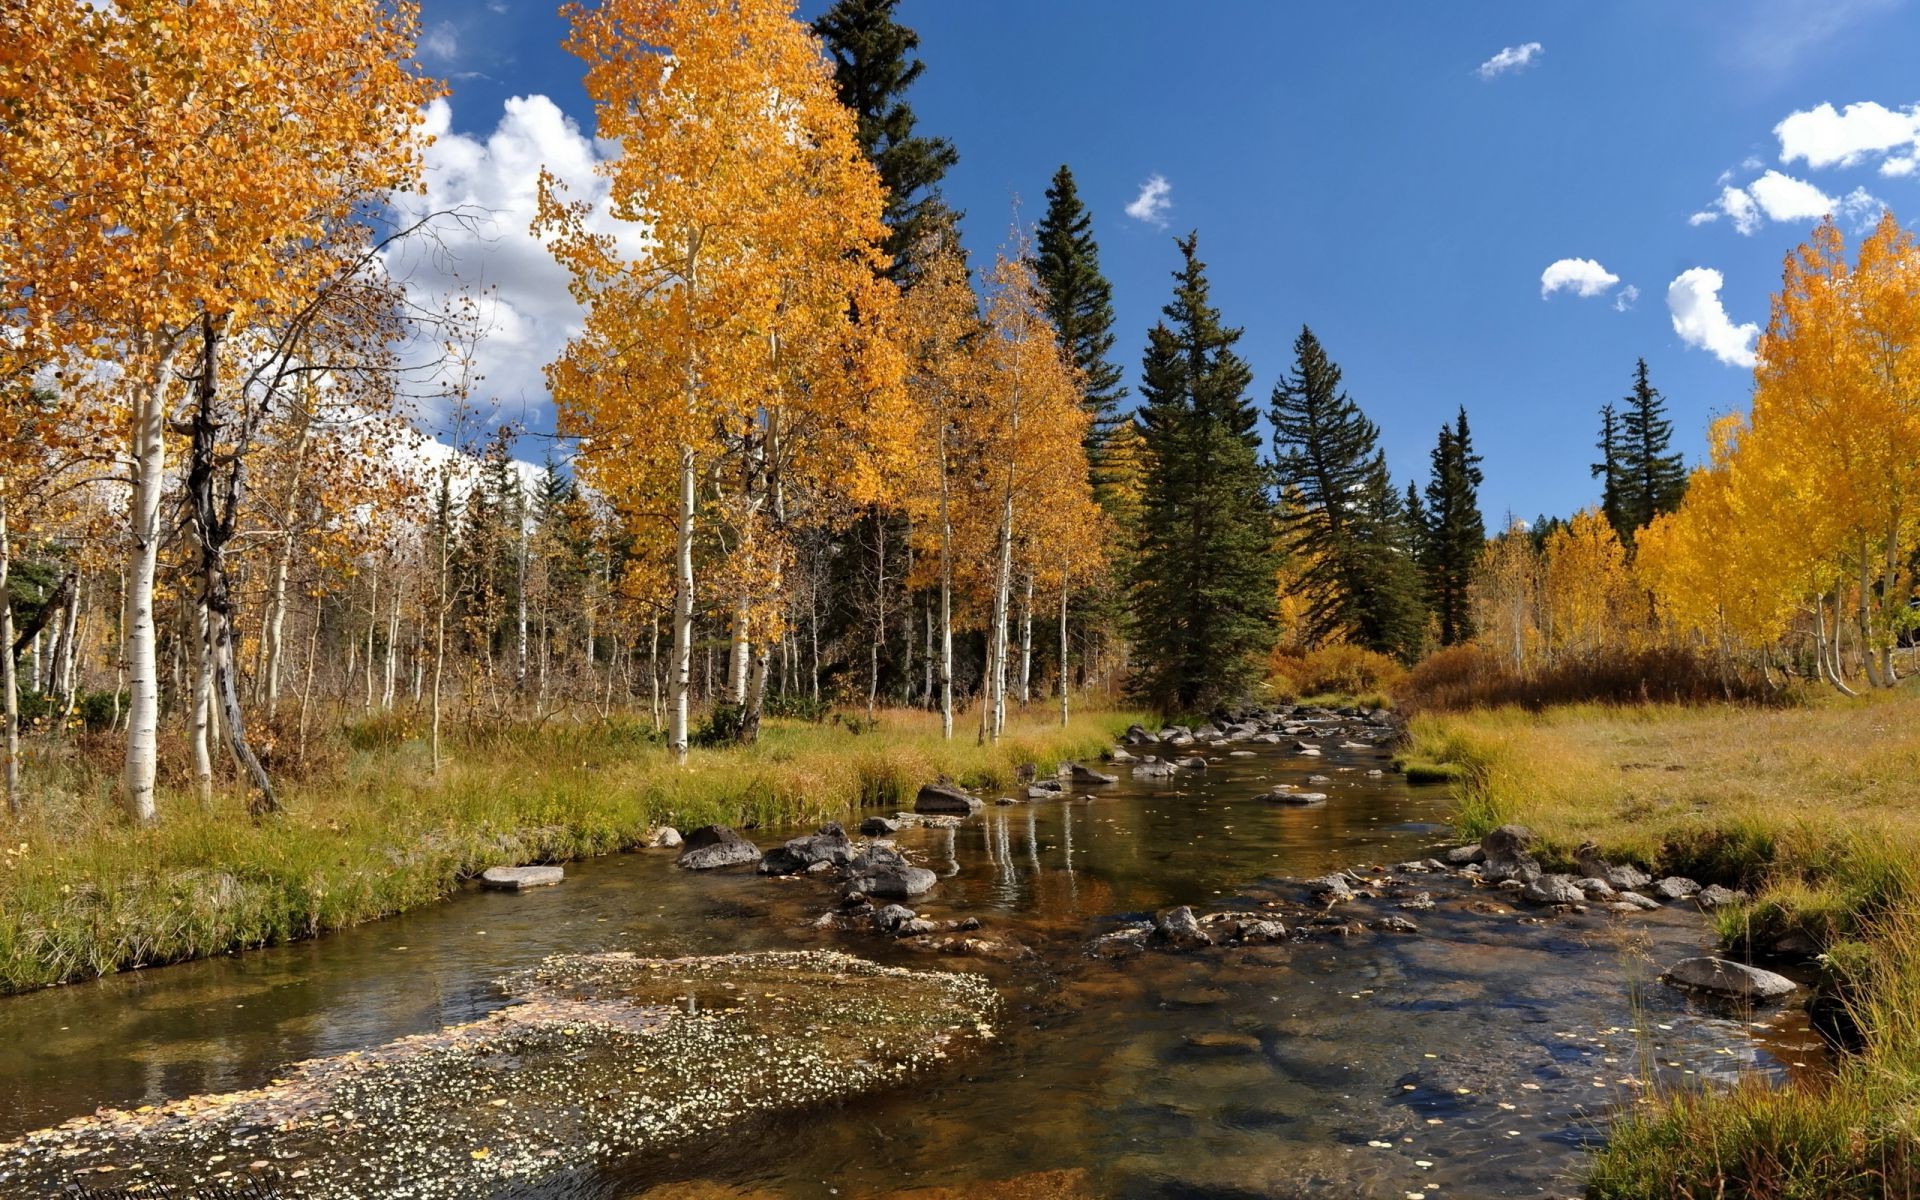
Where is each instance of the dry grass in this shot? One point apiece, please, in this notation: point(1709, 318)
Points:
point(83, 893)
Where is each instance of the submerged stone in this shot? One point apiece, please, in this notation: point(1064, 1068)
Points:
point(519, 879)
point(1730, 979)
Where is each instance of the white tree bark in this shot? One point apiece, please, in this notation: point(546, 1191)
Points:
point(149, 464)
point(682, 665)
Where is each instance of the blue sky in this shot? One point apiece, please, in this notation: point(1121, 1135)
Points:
point(1398, 176)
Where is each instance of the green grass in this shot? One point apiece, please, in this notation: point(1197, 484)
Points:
point(1813, 808)
point(83, 893)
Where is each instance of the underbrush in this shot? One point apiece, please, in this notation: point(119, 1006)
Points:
point(83, 892)
point(1472, 676)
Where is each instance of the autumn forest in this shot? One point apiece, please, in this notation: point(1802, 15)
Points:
point(831, 508)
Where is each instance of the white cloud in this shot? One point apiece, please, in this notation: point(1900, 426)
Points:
point(490, 250)
point(1825, 137)
point(1581, 276)
point(1702, 321)
point(442, 42)
point(1152, 203)
point(1510, 59)
point(1625, 298)
point(1784, 198)
point(1778, 197)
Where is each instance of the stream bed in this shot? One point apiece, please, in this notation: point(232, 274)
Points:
point(1477, 1057)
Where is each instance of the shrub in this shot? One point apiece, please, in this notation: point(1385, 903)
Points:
point(1340, 670)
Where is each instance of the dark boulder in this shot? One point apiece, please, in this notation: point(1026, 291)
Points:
point(944, 797)
point(713, 846)
point(884, 872)
point(828, 848)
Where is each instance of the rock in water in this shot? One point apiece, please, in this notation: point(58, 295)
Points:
point(829, 846)
point(1553, 889)
point(1087, 775)
point(1675, 887)
point(666, 837)
point(1506, 857)
point(884, 872)
point(944, 797)
point(1153, 770)
point(1179, 927)
point(1262, 931)
point(1331, 887)
point(1281, 796)
point(1731, 979)
point(519, 879)
point(878, 827)
point(1621, 877)
point(713, 846)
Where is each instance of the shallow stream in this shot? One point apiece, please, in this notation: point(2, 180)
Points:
point(1477, 1057)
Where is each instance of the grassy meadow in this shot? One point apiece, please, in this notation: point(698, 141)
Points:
point(1816, 809)
point(83, 892)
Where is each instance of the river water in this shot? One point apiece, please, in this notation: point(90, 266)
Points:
point(1477, 1057)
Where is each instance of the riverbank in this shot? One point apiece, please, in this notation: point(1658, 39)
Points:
point(82, 893)
point(1811, 808)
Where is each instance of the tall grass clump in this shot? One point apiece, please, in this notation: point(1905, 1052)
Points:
point(83, 893)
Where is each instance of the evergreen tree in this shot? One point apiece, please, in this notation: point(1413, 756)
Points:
point(1609, 471)
point(1456, 532)
point(1080, 301)
point(1345, 520)
point(873, 66)
point(1203, 594)
point(1654, 478)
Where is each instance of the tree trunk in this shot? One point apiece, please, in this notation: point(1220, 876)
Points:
point(143, 518)
point(879, 613)
point(214, 518)
point(9, 678)
point(202, 720)
point(1026, 644)
point(1063, 652)
point(682, 665)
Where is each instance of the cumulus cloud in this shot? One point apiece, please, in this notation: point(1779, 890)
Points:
point(1513, 58)
point(1826, 137)
point(1153, 202)
point(1693, 298)
point(1581, 276)
point(1778, 197)
point(489, 251)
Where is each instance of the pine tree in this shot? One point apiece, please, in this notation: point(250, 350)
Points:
point(1203, 589)
point(1456, 532)
point(1609, 471)
point(1654, 479)
point(873, 66)
point(1345, 520)
point(1080, 301)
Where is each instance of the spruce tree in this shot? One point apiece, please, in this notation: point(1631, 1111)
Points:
point(1456, 532)
point(1203, 589)
point(873, 66)
point(1609, 471)
point(1345, 521)
point(1080, 301)
point(1654, 477)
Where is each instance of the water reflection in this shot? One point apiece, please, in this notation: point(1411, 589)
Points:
point(1484, 1047)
